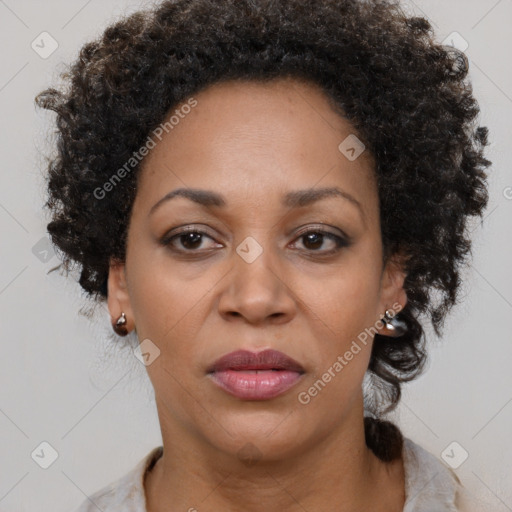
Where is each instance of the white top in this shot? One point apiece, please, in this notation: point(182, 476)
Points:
point(430, 486)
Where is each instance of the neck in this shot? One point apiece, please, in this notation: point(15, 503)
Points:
point(337, 473)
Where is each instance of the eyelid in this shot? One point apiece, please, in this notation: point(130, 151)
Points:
point(324, 228)
point(183, 229)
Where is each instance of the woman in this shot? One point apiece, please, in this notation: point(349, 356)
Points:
point(268, 195)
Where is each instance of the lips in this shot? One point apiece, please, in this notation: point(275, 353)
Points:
point(246, 360)
point(255, 376)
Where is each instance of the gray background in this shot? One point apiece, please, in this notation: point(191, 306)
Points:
point(63, 381)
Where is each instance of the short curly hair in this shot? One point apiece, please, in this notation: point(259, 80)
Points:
point(406, 96)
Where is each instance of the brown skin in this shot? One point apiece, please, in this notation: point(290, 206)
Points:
point(252, 143)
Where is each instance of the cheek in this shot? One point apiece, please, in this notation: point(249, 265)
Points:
point(346, 298)
point(166, 295)
point(340, 310)
point(345, 307)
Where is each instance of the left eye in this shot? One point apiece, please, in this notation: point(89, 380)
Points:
point(315, 238)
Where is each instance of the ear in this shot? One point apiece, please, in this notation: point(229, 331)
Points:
point(392, 293)
point(118, 299)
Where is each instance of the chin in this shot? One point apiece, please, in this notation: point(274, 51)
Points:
point(259, 435)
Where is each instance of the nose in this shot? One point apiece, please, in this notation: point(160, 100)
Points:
point(257, 290)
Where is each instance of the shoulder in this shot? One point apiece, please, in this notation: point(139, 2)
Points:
point(126, 494)
point(432, 485)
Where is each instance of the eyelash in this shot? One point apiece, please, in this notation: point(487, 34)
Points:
point(340, 241)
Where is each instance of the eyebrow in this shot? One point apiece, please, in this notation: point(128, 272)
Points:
point(294, 199)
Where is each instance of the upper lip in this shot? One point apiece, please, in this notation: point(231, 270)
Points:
point(265, 360)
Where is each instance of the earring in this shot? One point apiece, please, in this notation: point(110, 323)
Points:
point(397, 326)
point(119, 326)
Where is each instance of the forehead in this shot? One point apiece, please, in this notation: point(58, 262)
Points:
point(252, 139)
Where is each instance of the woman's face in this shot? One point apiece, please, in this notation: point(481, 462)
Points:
point(253, 278)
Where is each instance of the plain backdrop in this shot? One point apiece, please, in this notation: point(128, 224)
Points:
point(65, 383)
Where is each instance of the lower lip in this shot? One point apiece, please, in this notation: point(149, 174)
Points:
point(263, 385)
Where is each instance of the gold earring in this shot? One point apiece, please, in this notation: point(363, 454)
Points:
point(120, 326)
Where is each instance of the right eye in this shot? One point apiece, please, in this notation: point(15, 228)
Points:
point(190, 240)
